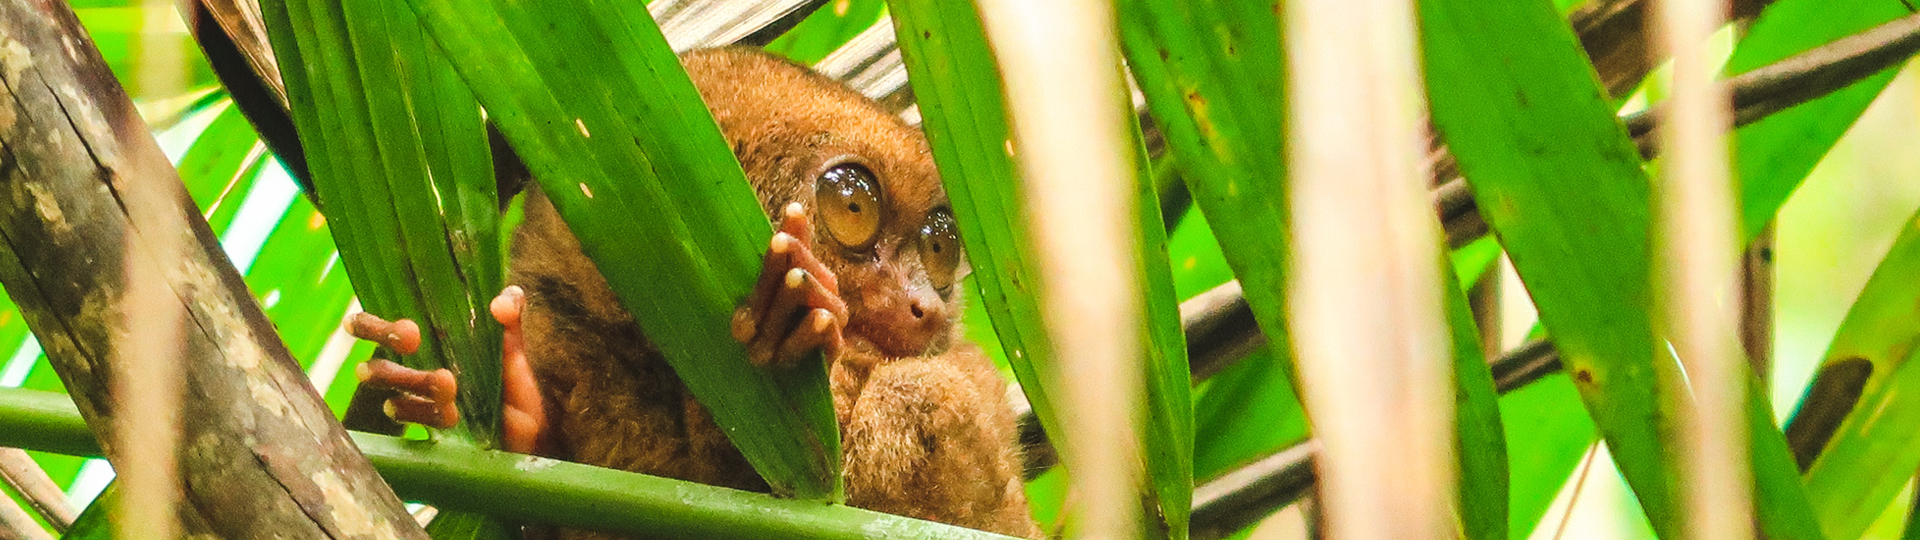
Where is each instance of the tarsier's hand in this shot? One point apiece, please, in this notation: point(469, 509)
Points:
point(795, 308)
point(427, 397)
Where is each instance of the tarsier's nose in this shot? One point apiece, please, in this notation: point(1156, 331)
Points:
point(927, 309)
point(910, 327)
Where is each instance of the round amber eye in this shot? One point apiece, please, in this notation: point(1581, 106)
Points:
point(940, 248)
point(849, 200)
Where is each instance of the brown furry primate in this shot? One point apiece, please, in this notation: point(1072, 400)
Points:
point(865, 267)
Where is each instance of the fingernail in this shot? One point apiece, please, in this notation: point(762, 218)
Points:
point(794, 210)
point(824, 321)
point(393, 412)
point(782, 242)
point(795, 278)
point(363, 372)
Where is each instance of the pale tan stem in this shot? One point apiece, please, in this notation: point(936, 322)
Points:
point(1061, 64)
point(1364, 291)
point(1696, 264)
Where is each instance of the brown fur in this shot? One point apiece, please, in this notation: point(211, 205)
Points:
point(926, 429)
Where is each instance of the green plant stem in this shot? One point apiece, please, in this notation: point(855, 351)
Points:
point(533, 489)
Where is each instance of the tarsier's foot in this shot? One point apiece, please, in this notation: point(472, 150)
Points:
point(425, 397)
point(428, 397)
point(795, 308)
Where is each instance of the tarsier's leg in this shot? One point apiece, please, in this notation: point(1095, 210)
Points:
point(421, 397)
point(930, 437)
point(427, 397)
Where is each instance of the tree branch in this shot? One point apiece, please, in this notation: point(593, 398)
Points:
point(26, 478)
point(87, 191)
point(1613, 32)
point(1240, 498)
point(17, 524)
point(1809, 75)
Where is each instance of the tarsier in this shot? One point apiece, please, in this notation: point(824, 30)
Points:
point(865, 267)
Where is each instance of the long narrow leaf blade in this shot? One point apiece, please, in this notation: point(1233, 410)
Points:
point(1480, 444)
point(367, 118)
point(1876, 446)
point(1561, 183)
point(627, 152)
point(1168, 437)
point(1211, 75)
point(416, 220)
point(1484, 92)
point(1212, 78)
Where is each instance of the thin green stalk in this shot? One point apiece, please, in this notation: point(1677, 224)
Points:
point(539, 490)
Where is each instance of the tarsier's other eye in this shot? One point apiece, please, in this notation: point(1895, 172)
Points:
point(849, 200)
point(940, 248)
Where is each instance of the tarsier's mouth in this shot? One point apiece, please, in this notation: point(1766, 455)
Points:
point(895, 343)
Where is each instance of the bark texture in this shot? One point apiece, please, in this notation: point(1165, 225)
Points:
point(84, 190)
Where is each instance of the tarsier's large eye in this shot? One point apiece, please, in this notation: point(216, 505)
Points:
point(940, 248)
point(849, 200)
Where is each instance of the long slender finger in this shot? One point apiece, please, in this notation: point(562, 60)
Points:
point(423, 411)
point(437, 385)
point(780, 316)
point(507, 306)
point(403, 336)
point(805, 260)
point(835, 342)
point(819, 296)
point(368, 326)
point(772, 272)
point(746, 320)
point(520, 431)
point(525, 409)
point(812, 334)
point(795, 222)
point(444, 388)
